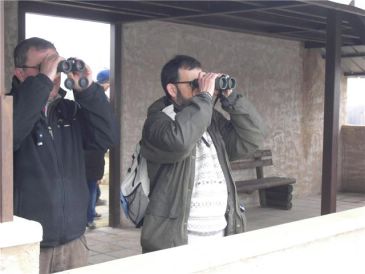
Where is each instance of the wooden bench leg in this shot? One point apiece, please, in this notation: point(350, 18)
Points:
point(262, 195)
point(279, 197)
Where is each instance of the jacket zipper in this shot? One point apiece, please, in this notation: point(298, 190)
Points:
point(51, 111)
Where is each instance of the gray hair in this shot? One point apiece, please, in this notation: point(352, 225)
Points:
point(21, 50)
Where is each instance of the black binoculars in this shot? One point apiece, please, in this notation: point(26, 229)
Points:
point(222, 83)
point(225, 82)
point(73, 65)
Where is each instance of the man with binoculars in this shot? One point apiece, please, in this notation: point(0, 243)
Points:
point(50, 135)
point(188, 145)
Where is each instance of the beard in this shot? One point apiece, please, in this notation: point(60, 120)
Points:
point(180, 99)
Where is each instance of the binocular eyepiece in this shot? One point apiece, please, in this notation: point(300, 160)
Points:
point(73, 65)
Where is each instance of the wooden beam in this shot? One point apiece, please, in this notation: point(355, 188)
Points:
point(331, 113)
point(6, 137)
point(358, 24)
point(116, 100)
point(358, 74)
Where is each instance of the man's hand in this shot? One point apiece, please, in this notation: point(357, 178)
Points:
point(227, 92)
point(87, 73)
point(49, 65)
point(207, 82)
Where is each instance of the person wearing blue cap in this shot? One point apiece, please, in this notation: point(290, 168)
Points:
point(94, 165)
point(103, 79)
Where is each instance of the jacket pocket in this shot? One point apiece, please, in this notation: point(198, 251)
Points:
point(158, 233)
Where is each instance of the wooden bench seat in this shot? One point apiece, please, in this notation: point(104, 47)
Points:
point(274, 191)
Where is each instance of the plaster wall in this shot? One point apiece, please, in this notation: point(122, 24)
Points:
point(332, 243)
point(11, 39)
point(284, 81)
point(19, 246)
point(353, 172)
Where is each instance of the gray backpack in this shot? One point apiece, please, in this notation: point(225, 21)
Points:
point(135, 188)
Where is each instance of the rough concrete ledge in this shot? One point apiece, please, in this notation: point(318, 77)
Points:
point(332, 243)
point(20, 232)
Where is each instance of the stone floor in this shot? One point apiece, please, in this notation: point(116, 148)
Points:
point(107, 243)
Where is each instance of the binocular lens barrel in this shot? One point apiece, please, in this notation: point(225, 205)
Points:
point(64, 66)
point(225, 82)
point(231, 83)
point(83, 82)
point(69, 83)
point(79, 65)
point(221, 83)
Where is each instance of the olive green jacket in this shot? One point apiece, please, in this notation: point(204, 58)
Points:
point(169, 147)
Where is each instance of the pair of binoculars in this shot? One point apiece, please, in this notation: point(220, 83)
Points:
point(73, 65)
point(222, 83)
point(225, 82)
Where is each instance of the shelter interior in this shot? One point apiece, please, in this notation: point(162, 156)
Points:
point(290, 58)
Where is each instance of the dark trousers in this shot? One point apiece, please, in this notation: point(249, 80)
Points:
point(92, 201)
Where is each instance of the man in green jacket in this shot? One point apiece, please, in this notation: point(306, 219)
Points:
point(188, 146)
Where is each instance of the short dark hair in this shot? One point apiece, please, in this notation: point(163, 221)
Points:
point(170, 71)
point(21, 50)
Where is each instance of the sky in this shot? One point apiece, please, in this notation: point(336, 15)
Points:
point(86, 40)
point(358, 3)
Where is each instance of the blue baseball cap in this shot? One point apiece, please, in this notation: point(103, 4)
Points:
point(103, 76)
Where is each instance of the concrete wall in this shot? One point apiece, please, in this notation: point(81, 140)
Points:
point(11, 39)
point(281, 78)
point(353, 158)
point(312, 121)
point(19, 246)
point(334, 243)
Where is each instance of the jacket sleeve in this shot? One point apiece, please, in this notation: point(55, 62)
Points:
point(245, 130)
point(99, 129)
point(29, 99)
point(173, 140)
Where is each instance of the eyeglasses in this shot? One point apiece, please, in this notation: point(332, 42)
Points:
point(38, 67)
point(193, 83)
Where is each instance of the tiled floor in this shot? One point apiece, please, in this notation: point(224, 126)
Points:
point(107, 243)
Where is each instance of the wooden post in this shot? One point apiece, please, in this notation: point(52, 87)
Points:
point(115, 96)
point(6, 137)
point(331, 113)
point(259, 175)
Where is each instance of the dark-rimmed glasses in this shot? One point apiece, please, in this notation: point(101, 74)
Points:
point(38, 67)
point(193, 83)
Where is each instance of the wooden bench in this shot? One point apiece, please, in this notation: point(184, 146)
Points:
point(273, 191)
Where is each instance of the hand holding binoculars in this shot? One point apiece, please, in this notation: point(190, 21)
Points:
point(73, 65)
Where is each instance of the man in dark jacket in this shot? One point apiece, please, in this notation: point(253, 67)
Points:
point(50, 135)
point(188, 146)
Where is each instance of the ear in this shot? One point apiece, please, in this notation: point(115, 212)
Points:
point(172, 90)
point(19, 73)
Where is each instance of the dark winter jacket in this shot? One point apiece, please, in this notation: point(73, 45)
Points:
point(94, 164)
point(49, 171)
point(169, 147)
